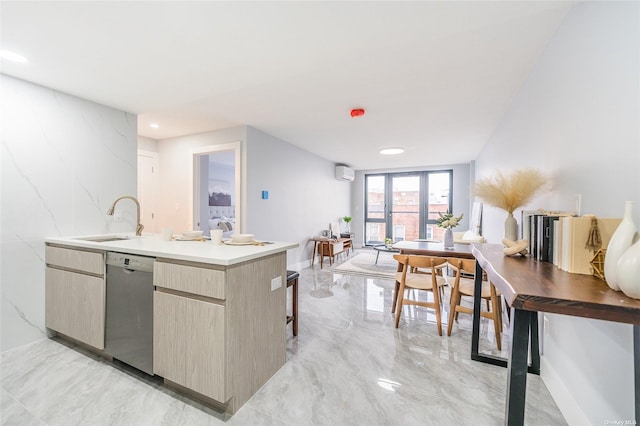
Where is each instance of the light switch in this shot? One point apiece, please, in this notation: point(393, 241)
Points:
point(276, 283)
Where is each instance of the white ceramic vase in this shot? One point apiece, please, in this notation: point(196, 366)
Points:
point(511, 228)
point(620, 241)
point(448, 239)
point(628, 271)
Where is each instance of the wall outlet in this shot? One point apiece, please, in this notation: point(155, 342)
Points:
point(117, 215)
point(276, 283)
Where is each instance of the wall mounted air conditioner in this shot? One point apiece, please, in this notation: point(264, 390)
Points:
point(345, 173)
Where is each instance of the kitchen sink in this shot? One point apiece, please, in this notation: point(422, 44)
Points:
point(103, 238)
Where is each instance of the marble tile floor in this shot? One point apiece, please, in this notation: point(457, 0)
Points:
point(348, 366)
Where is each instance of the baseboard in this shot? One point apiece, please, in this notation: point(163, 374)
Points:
point(299, 266)
point(567, 404)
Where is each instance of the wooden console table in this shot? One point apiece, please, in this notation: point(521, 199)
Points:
point(330, 247)
point(529, 287)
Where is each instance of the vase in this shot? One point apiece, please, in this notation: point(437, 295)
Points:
point(511, 228)
point(628, 271)
point(448, 239)
point(620, 241)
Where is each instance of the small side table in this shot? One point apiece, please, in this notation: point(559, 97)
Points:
point(384, 248)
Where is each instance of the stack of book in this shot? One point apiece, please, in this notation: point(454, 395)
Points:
point(560, 238)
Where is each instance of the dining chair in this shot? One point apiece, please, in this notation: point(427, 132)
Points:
point(413, 276)
point(463, 285)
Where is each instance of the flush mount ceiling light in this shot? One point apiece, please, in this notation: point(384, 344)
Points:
point(154, 125)
point(391, 151)
point(12, 56)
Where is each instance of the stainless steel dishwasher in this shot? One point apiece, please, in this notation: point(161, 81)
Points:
point(129, 322)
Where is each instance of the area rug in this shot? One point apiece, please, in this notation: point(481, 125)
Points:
point(364, 263)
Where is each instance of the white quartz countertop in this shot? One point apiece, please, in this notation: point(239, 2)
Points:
point(193, 251)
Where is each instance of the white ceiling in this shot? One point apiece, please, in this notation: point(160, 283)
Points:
point(434, 77)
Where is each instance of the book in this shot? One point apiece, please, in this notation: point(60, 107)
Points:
point(555, 256)
point(575, 258)
point(545, 237)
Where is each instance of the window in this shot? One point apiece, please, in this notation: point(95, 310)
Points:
point(405, 206)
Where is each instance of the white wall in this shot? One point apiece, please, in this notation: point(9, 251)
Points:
point(304, 195)
point(64, 160)
point(577, 117)
point(147, 144)
point(176, 157)
point(461, 191)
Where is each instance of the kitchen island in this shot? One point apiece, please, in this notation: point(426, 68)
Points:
point(218, 315)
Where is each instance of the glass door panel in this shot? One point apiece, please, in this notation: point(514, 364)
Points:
point(405, 208)
point(438, 201)
point(375, 216)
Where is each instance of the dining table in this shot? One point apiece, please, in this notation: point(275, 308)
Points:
point(462, 250)
point(433, 248)
point(467, 251)
point(528, 287)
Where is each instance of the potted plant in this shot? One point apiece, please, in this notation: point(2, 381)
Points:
point(388, 242)
point(448, 221)
point(347, 220)
point(510, 192)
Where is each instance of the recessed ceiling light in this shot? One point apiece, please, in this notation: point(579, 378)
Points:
point(12, 56)
point(391, 151)
point(154, 125)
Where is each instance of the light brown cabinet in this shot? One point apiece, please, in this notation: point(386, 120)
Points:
point(189, 344)
point(75, 294)
point(220, 330)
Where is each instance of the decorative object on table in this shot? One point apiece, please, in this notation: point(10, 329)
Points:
point(628, 271)
point(594, 241)
point(620, 241)
point(334, 229)
point(388, 242)
point(515, 247)
point(510, 192)
point(574, 232)
point(347, 220)
point(242, 238)
point(597, 263)
point(448, 221)
point(475, 224)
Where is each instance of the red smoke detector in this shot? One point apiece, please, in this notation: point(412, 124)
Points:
point(358, 112)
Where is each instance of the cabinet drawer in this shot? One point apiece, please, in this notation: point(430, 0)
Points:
point(78, 260)
point(190, 279)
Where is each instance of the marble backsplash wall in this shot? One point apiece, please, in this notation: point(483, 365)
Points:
point(63, 162)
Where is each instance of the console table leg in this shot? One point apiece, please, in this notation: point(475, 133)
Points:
point(636, 368)
point(517, 369)
point(535, 344)
point(477, 291)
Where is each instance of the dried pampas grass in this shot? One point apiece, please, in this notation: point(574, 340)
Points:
point(510, 191)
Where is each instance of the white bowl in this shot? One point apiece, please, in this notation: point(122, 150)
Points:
point(242, 238)
point(192, 234)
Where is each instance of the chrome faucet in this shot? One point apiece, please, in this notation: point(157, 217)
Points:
point(139, 227)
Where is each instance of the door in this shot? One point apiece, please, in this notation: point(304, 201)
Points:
point(405, 206)
point(404, 220)
point(375, 210)
point(147, 173)
point(216, 187)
